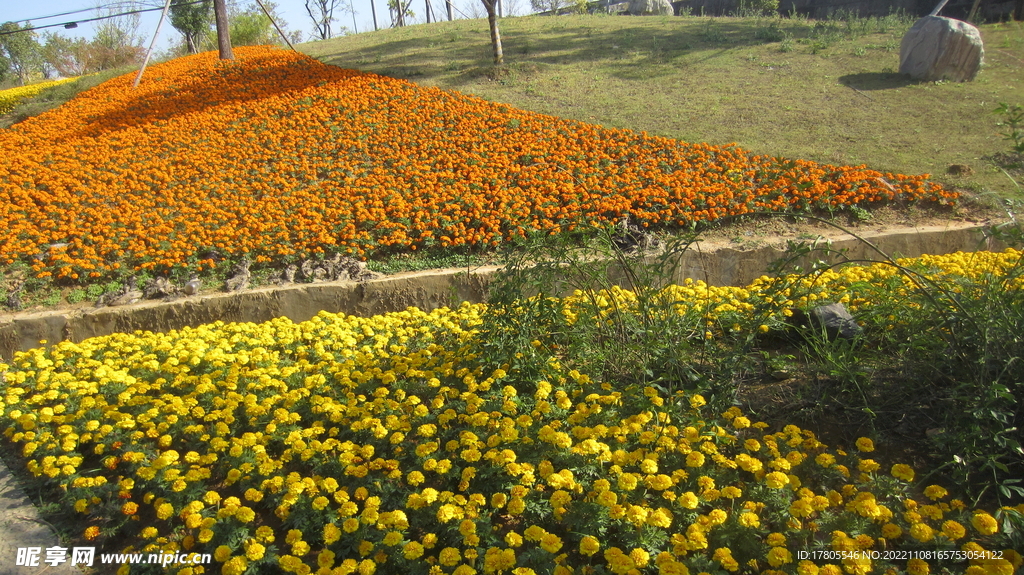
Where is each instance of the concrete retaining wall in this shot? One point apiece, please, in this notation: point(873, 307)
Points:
point(715, 264)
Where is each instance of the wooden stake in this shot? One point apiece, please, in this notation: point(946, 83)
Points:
point(152, 43)
point(278, 28)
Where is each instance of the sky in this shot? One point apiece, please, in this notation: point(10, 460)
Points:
point(42, 12)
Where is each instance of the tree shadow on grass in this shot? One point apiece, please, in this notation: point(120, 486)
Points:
point(876, 80)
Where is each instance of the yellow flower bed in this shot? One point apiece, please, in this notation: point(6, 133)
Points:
point(772, 298)
point(13, 96)
point(389, 445)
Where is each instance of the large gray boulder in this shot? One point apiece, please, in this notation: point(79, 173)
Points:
point(939, 48)
point(650, 8)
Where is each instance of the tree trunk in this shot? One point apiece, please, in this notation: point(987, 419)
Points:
point(373, 8)
point(220, 13)
point(448, 4)
point(492, 20)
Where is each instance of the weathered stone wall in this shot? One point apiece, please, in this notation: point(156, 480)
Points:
point(715, 264)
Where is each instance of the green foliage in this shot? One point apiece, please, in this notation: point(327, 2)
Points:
point(192, 20)
point(758, 7)
point(19, 51)
point(642, 344)
point(1013, 125)
point(64, 56)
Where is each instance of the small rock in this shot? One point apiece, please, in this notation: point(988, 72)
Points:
point(289, 273)
point(192, 286)
point(781, 375)
point(307, 268)
point(159, 287)
point(836, 321)
point(650, 8)
point(959, 170)
point(240, 280)
point(127, 298)
point(629, 236)
point(13, 300)
point(338, 268)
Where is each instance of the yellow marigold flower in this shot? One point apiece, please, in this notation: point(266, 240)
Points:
point(902, 471)
point(641, 558)
point(551, 542)
point(254, 551)
point(695, 459)
point(731, 492)
point(776, 539)
point(517, 505)
point(688, 500)
point(891, 531)
point(935, 492)
point(857, 565)
point(748, 519)
point(868, 466)
point(449, 556)
point(779, 556)
point(234, 566)
point(917, 567)
point(222, 553)
point(589, 546)
point(806, 567)
point(776, 479)
point(628, 481)
point(740, 422)
point(865, 445)
point(984, 523)
point(331, 533)
point(922, 532)
point(412, 550)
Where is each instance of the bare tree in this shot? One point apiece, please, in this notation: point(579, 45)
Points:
point(322, 13)
point(513, 7)
point(117, 41)
point(400, 10)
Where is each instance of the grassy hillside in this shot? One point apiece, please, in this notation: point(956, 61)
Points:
point(823, 91)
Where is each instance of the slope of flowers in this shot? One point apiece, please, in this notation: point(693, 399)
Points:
point(388, 445)
point(276, 156)
point(13, 96)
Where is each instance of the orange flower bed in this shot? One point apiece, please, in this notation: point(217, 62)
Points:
point(276, 155)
